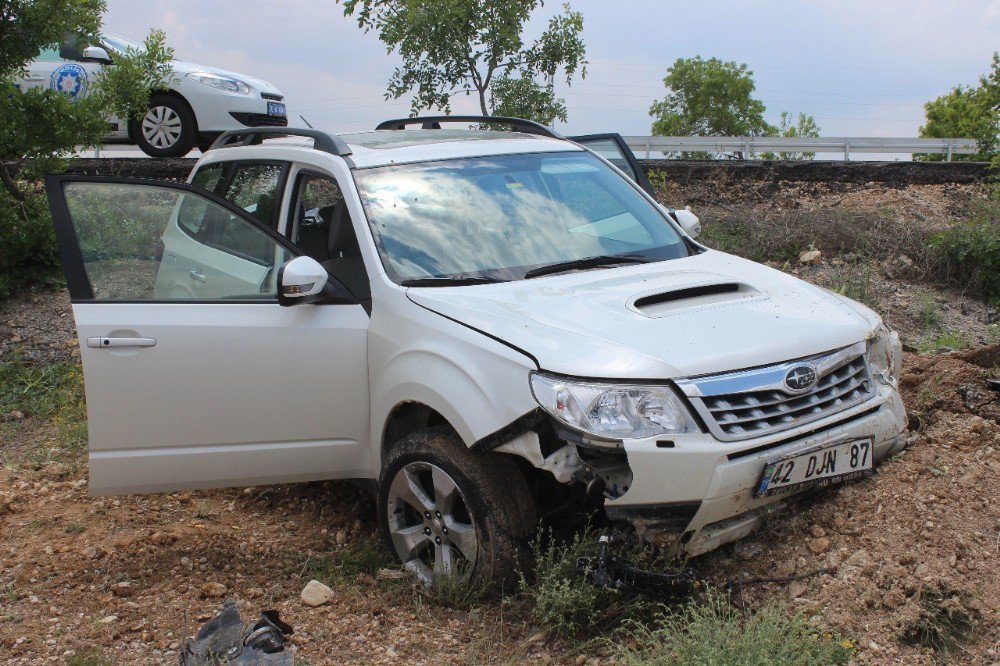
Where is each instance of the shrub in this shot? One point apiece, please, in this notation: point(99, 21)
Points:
point(972, 252)
point(714, 633)
point(946, 620)
point(28, 252)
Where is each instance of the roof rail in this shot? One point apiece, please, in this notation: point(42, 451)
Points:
point(434, 122)
point(324, 141)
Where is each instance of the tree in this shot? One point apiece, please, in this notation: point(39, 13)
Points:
point(476, 47)
point(802, 126)
point(42, 126)
point(709, 98)
point(967, 112)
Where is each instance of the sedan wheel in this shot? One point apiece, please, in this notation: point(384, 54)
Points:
point(429, 521)
point(161, 126)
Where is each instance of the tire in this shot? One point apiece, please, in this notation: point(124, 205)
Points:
point(168, 129)
point(484, 519)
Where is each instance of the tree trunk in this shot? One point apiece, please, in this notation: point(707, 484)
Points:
point(482, 101)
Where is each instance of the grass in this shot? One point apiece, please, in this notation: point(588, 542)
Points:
point(928, 313)
point(946, 620)
point(942, 341)
point(712, 632)
point(344, 566)
point(92, 657)
point(75, 527)
point(40, 391)
point(455, 589)
point(855, 282)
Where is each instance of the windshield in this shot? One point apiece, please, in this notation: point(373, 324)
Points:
point(119, 44)
point(502, 216)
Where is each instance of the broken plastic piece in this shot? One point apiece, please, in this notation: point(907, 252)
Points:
point(225, 639)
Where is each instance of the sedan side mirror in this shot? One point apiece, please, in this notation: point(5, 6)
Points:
point(96, 54)
point(304, 280)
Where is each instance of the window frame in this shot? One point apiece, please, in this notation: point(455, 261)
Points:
point(77, 280)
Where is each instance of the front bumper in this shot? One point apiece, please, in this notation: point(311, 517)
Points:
point(709, 484)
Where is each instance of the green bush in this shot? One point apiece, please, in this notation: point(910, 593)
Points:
point(972, 252)
point(712, 632)
point(28, 252)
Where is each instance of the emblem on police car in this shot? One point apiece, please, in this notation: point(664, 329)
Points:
point(70, 79)
point(800, 378)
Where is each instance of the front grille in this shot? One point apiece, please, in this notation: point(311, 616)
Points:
point(762, 406)
point(259, 119)
point(272, 97)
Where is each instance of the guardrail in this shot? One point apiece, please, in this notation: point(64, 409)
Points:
point(648, 146)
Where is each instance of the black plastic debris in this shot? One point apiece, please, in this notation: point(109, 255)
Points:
point(225, 639)
point(613, 572)
point(993, 384)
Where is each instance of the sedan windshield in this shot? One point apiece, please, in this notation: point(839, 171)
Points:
point(502, 216)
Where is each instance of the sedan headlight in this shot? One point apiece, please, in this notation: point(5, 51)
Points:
point(220, 82)
point(613, 411)
point(885, 356)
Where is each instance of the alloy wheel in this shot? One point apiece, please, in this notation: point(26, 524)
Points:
point(429, 521)
point(161, 126)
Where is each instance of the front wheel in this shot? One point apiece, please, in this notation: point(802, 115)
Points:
point(444, 509)
point(168, 128)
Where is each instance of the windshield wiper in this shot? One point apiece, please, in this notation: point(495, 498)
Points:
point(451, 281)
point(587, 262)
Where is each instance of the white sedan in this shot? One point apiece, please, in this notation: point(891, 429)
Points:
point(199, 104)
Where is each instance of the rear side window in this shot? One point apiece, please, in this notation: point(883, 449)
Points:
point(256, 187)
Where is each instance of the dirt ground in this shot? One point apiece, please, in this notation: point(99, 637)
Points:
point(129, 578)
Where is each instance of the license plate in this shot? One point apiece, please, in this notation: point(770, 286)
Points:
point(821, 466)
point(276, 109)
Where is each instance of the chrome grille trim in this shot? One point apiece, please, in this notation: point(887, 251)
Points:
point(752, 403)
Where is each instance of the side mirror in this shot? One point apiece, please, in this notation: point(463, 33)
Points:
point(689, 221)
point(304, 280)
point(96, 54)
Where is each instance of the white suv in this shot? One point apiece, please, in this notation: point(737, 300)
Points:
point(199, 104)
point(489, 325)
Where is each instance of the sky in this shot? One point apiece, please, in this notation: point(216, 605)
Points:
point(861, 68)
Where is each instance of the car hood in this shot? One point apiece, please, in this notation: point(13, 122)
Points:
point(697, 315)
point(182, 68)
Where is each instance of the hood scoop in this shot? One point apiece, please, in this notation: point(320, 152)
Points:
point(696, 296)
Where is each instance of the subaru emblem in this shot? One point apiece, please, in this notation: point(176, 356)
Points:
point(800, 378)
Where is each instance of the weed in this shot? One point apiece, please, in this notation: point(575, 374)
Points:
point(945, 341)
point(946, 619)
point(75, 527)
point(971, 251)
point(855, 282)
point(927, 313)
point(90, 658)
point(10, 593)
point(455, 588)
point(38, 524)
point(713, 632)
point(39, 391)
point(346, 565)
point(203, 509)
point(564, 599)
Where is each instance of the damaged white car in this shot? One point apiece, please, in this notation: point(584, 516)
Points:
point(489, 325)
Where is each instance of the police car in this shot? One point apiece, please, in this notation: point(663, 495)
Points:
point(200, 103)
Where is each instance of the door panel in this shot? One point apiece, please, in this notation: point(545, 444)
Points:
point(613, 148)
point(209, 388)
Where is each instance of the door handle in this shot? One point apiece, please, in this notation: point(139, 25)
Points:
point(197, 276)
point(101, 343)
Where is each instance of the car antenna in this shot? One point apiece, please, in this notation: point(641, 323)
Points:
point(305, 121)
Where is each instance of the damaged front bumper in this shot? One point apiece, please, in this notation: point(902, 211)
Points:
point(695, 493)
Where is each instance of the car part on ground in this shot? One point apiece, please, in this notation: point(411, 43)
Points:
point(225, 639)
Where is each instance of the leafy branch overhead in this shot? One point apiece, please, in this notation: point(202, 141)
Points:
point(476, 47)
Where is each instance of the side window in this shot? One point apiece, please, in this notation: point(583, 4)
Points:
point(208, 176)
point(49, 54)
point(257, 189)
point(323, 230)
point(150, 242)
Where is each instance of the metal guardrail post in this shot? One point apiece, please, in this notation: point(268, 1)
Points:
point(847, 151)
point(948, 156)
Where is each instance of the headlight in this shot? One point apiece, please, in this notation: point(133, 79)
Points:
point(613, 411)
point(220, 82)
point(885, 356)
